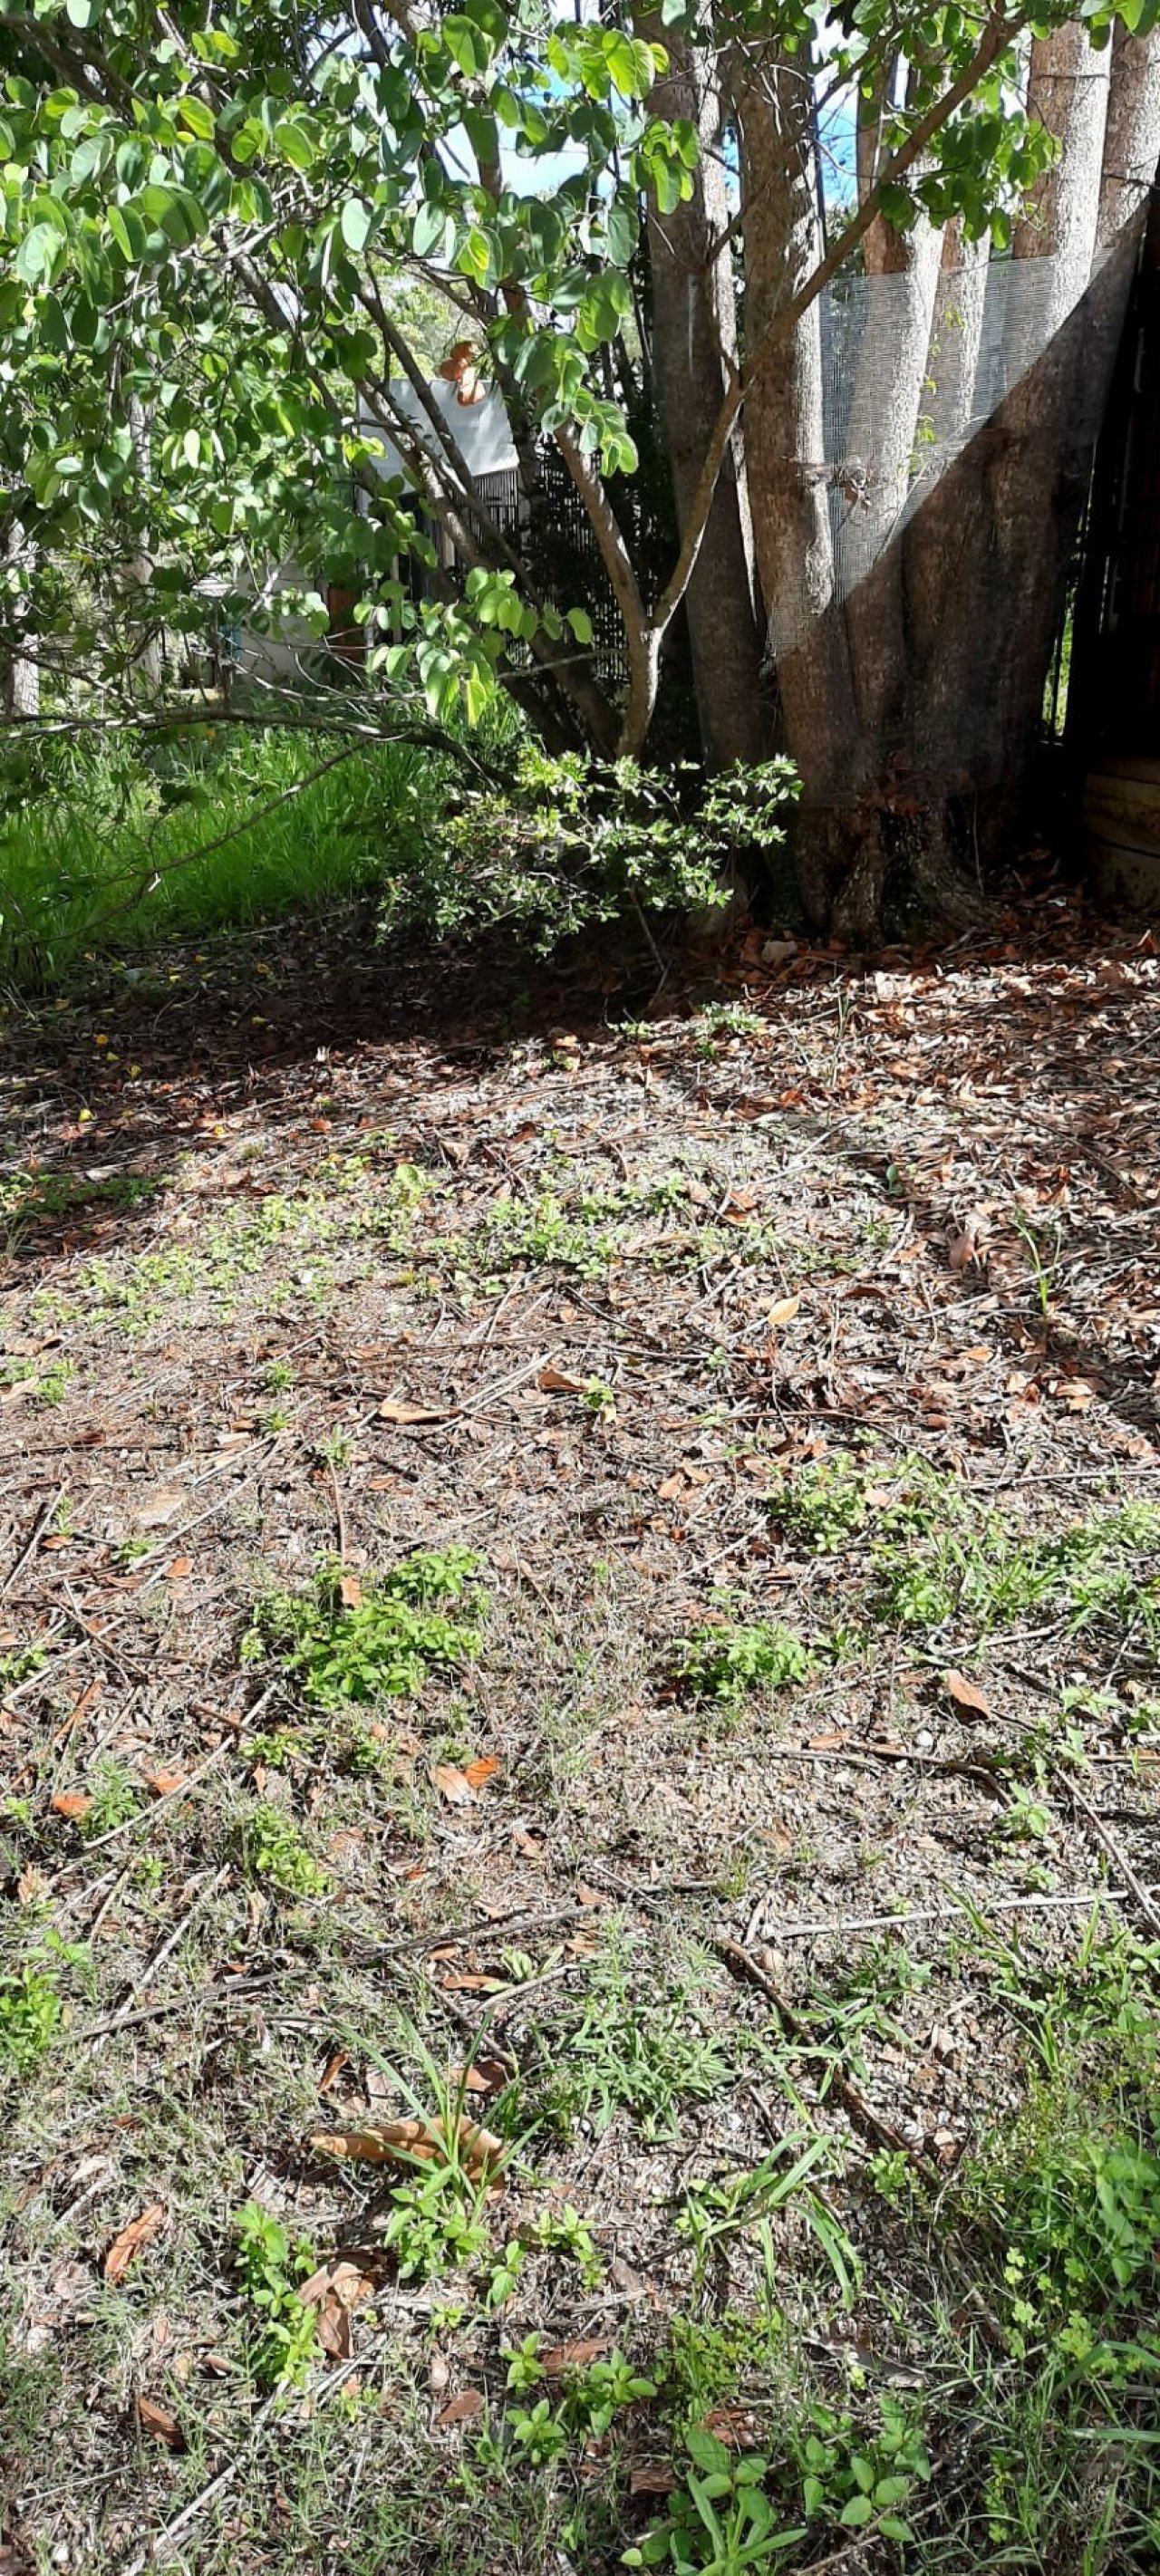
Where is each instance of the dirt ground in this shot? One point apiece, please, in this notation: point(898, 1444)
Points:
point(782, 1347)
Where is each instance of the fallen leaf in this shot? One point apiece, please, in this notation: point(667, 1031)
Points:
point(339, 2058)
point(71, 1802)
point(784, 1311)
point(181, 1566)
point(163, 1783)
point(653, 2477)
point(126, 2247)
point(966, 1695)
point(453, 1784)
point(164, 2427)
point(159, 1507)
point(350, 1591)
point(393, 1411)
point(416, 2142)
point(554, 1381)
point(482, 1769)
point(88, 1698)
point(671, 1488)
point(572, 2356)
point(462, 2409)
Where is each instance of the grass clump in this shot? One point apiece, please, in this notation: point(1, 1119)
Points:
point(352, 1638)
point(644, 2052)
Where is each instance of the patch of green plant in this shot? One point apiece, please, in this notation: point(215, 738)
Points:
point(594, 2394)
point(374, 1637)
point(571, 841)
point(115, 1797)
point(272, 1848)
point(20, 1663)
point(710, 2213)
point(30, 2012)
point(719, 2519)
point(722, 1662)
point(270, 2266)
point(929, 1553)
point(860, 2481)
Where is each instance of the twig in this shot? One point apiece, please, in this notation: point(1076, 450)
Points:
point(1117, 1855)
point(837, 1927)
point(870, 2123)
point(33, 1539)
point(339, 1514)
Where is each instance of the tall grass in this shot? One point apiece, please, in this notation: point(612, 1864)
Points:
point(116, 846)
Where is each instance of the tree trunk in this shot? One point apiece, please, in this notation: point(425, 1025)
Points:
point(693, 334)
point(785, 450)
point(1132, 133)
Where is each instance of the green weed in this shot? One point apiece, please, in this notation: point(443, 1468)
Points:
point(628, 2052)
point(273, 1849)
point(30, 2012)
point(725, 1663)
point(720, 2519)
point(269, 2269)
point(372, 1637)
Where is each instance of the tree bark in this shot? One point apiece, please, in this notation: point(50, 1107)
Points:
point(693, 337)
point(785, 449)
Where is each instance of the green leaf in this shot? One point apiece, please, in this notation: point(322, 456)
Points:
point(83, 13)
point(581, 625)
point(355, 224)
point(37, 253)
point(858, 2512)
point(706, 2452)
point(197, 118)
point(429, 236)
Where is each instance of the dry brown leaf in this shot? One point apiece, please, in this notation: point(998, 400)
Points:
point(783, 1313)
point(653, 2477)
point(71, 1802)
point(164, 1783)
point(398, 1411)
point(350, 1591)
point(415, 2141)
point(462, 2409)
point(453, 1784)
point(181, 1566)
point(573, 2356)
point(156, 2420)
point(126, 2247)
point(554, 1381)
point(339, 2058)
point(671, 1488)
point(482, 1769)
point(967, 1695)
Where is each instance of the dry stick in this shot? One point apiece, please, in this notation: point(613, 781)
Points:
point(870, 2123)
point(33, 1539)
point(1117, 1855)
point(339, 1514)
point(837, 1927)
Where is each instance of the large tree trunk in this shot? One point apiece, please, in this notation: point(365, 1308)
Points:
point(785, 449)
point(693, 339)
point(956, 583)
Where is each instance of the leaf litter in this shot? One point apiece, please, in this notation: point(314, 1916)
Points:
point(911, 1215)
